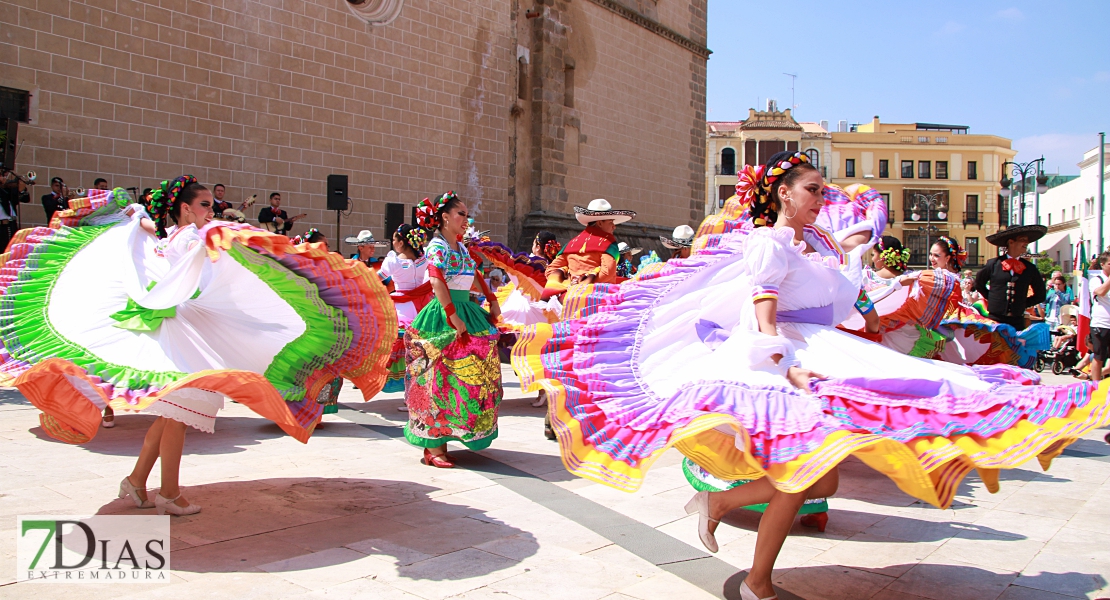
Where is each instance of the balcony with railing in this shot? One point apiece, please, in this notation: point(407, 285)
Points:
point(973, 218)
point(890, 216)
point(974, 260)
point(725, 169)
point(1074, 223)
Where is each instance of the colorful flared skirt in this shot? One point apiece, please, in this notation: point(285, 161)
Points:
point(453, 382)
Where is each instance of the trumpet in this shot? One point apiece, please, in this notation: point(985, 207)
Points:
point(77, 193)
point(28, 179)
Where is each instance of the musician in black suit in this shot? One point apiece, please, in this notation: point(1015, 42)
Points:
point(274, 214)
point(56, 200)
point(1011, 283)
point(13, 192)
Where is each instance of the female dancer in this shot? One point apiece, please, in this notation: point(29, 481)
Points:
point(947, 255)
point(772, 391)
point(546, 246)
point(407, 268)
point(453, 378)
point(126, 311)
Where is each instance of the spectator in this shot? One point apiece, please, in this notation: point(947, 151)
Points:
point(1100, 317)
point(56, 200)
point(1058, 296)
point(100, 184)
point(219, 206)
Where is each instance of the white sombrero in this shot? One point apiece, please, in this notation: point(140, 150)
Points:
point(623, 247)
point(365, 238)
point(601, 210)
point(681, 237)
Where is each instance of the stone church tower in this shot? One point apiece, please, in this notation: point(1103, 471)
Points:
point(523, 107)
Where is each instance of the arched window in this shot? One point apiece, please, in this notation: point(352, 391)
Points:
point(728, 161)
point(814, 157)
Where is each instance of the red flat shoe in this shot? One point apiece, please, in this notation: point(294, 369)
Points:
point(818, 520)
point(439, 461)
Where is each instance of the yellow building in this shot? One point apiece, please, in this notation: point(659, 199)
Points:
point(915, 163)
point(911, 165)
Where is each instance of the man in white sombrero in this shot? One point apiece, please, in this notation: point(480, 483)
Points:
point(366, 247)
point(591, 257)
point(682, 238)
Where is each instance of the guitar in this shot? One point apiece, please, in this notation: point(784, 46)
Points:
point(236, 214)
point(278, 224)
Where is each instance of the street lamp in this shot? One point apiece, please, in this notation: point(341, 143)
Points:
point(931, 203)
point(1022, 170)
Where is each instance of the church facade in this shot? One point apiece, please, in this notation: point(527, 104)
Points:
point(524, 108)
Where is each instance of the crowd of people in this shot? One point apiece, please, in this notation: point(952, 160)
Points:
point(775, 340)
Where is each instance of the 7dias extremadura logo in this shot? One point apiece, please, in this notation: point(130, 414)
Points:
point(98, 549)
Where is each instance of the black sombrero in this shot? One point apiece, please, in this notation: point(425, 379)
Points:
point(1033, 232)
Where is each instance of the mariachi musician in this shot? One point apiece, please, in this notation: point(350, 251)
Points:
point(1011, 283)
point(275, 220)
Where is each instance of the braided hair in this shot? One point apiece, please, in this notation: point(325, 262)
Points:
point(429, 213)
point(548, 245)
point(168, 198)
point(782, 169)
point(953, 249)
point(412, 238)
point(893, 255)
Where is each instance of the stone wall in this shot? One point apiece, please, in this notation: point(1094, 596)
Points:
point(274, 95)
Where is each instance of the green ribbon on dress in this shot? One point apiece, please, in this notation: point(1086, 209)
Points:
point(139, 318)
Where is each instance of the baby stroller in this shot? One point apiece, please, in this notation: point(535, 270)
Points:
point(1061, 359)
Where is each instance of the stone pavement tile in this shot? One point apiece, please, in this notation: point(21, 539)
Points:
point(666, 586)
point(241, 586)
point(1042, 505)
point(389, 551)
point(922, 529)
point(427, 512)
point(359, 589)
point(1017, 592)
point(653, 511)
point(1062, 488)
point(327, 568)
point(876, 554)
point(224, 521)
point(339, 531)
point(579, 577)
point(617, 556)
point(1089, 543)
point(237, 555)
point(1066, 574)
point(831, 582)
point(546, 527)
point(991, 551)
point(37, 500)
point(1033, 527)
point(452, 574)
point(451, 535)
point(889, 594)
point(953, 581)
point(686, 530)
point(523, 547)
point(64, 591)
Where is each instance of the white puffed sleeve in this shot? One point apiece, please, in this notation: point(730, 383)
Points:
point(768, 261)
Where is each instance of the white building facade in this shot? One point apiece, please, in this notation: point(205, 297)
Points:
point(1071, 212)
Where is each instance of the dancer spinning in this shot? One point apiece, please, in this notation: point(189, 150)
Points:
point(123, 317)
point(407, 268)
point(453, 380)
point(947, 255)
point(770, 390)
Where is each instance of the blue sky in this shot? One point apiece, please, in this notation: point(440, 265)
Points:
point(1035, 72)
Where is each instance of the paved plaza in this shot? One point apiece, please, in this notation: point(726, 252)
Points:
point(353, 514)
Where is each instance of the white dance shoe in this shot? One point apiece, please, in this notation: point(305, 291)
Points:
point(166, 505)
point(746, 593)
point(126, 489)
point(700, 504)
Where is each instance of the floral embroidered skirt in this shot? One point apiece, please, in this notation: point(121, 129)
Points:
point(452, 383)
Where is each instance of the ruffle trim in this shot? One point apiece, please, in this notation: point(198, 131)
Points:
point(527, 272)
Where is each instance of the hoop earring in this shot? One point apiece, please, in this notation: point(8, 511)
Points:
point(784, 205)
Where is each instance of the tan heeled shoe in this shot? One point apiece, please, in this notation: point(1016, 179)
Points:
point(700, 504)
point(166, 505)
point(126, 489)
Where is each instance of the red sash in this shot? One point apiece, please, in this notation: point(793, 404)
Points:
point(420, 295)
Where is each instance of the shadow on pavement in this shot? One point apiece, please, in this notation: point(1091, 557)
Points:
point(301, 524)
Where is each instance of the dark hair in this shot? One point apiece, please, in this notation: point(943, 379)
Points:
point(1104, 257)
point(766, 204)
point(953, 249)
point(272, 194)
point(450, 204)
point(146, 192)
point(314, 236)
point(410, 237)
point(219, 185)
point(889, 242)
point(98, 180)
point(187, 195)
point(542, 238)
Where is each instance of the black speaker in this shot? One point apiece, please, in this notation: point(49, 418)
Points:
point(394, 217)
point(10, 128)
point(337, 192)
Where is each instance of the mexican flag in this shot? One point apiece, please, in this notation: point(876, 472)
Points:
point(1083, 294)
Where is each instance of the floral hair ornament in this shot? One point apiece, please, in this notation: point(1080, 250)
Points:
point(898, 259)
point(163, 199)
point(427, 212)
point(551, 249)
point(415, 237)
point(958, 254)
point(767, 179)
